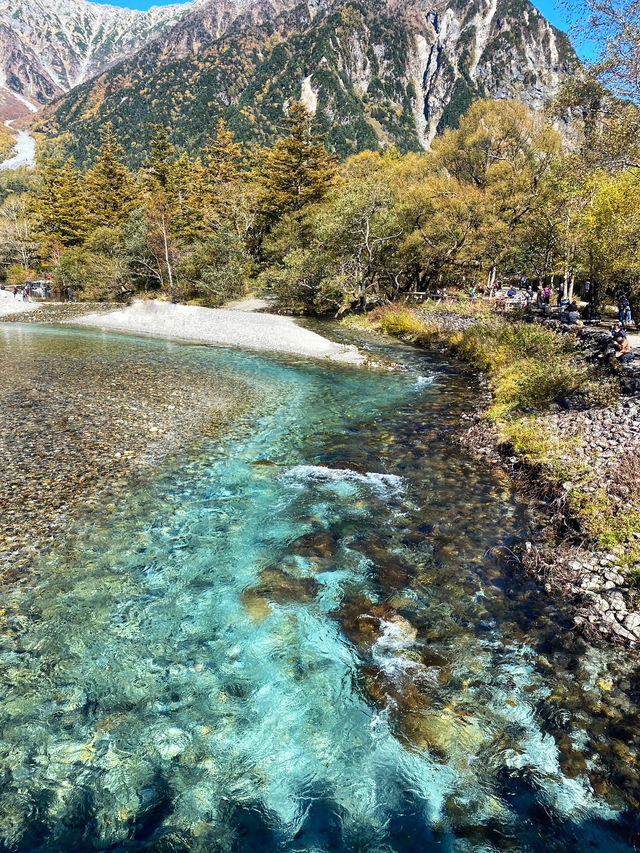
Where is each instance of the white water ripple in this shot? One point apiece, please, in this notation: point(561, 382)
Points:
point(381, 485)
point(424, 381)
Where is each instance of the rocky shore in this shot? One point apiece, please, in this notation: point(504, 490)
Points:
point(596, 581)
point(598, 440)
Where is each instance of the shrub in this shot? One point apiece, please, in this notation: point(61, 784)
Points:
point(606, 522)
point(475, 308)
point(538, 445)
point(601, 393)
point(401, 322)
point(17, 274)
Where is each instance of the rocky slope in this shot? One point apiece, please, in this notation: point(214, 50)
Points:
point(376, 72)
point(49, 46)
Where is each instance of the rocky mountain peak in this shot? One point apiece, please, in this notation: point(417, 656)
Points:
point(375, 72)
point(51, 46)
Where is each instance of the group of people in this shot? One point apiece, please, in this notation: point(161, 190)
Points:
point(569, 311)
point(621, 345)
point(41, 290)
point(26, 293)
point(624, 310)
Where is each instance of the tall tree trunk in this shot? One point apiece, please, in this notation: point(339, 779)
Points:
point(166, 253)
point(492, 277)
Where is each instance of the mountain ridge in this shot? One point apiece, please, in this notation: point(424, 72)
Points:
point(48, 47)
point(375, 72)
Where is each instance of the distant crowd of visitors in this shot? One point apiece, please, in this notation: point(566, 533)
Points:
point(41, 290)
point(525, 297)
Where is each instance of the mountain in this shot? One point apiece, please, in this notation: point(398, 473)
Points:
point(49, 46)
point(375, 72)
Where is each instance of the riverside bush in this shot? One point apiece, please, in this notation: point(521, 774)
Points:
point(607, 523)
point(475, 308)
point(401, 322)
point(527, 365)
point(528, 384)
point(537, 445)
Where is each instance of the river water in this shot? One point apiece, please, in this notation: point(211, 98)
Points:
point(24, 152)
point(260, 651)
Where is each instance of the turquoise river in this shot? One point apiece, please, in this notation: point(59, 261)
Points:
point(308, 633)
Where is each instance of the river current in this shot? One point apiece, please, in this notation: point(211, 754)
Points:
point(308, 633)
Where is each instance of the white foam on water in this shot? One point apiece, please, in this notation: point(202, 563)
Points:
point(424, 381)
point(388, 650)
point(382, 485)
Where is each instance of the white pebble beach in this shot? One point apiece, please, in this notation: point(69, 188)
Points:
point(223, 327)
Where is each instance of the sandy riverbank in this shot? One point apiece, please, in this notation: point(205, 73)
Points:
point(10, 304)
point(224, 327)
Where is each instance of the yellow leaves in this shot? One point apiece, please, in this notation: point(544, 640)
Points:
point(610, 221)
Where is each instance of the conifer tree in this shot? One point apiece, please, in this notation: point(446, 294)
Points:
point(111, 189)
point(297, 171)
point(163, 195)
point(157, 168)
point(59, 206)
point(184, 197)
point(223, 157)
point(216, 184)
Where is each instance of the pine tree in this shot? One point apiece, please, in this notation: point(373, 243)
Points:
point(297, 171)
point(216, 182)
point(223, 157)
point(58, 207)
point(111, 189)
point(157, 168)
point(184, 197)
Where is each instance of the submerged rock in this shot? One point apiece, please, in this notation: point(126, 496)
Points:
point(281, 587)
point(256, 605)
point(347, 466)
point(171, 742)
point(322, 543)
point(446, 732)
point(393, 572)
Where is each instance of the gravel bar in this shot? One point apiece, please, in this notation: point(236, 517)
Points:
point(223, 327)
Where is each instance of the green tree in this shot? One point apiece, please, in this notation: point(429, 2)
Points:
point(505, 153)
point(157, 167)
point(97, 269)
point(110, 187)
point(296, 172)
point(609, 231)
point(214, 269)
point(223, 157)
point(163, 205)
point(218, 183)
point(349, 259)
point(58, 207)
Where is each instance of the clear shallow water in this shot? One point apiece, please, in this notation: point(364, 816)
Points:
point(258, 651)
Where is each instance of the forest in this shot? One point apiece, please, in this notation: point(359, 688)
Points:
point(503, 195)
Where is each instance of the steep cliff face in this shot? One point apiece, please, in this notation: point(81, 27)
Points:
point(21, 69)
point(486, 48)
point(375, 72)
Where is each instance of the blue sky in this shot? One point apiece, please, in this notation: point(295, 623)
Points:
point(549, 8)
